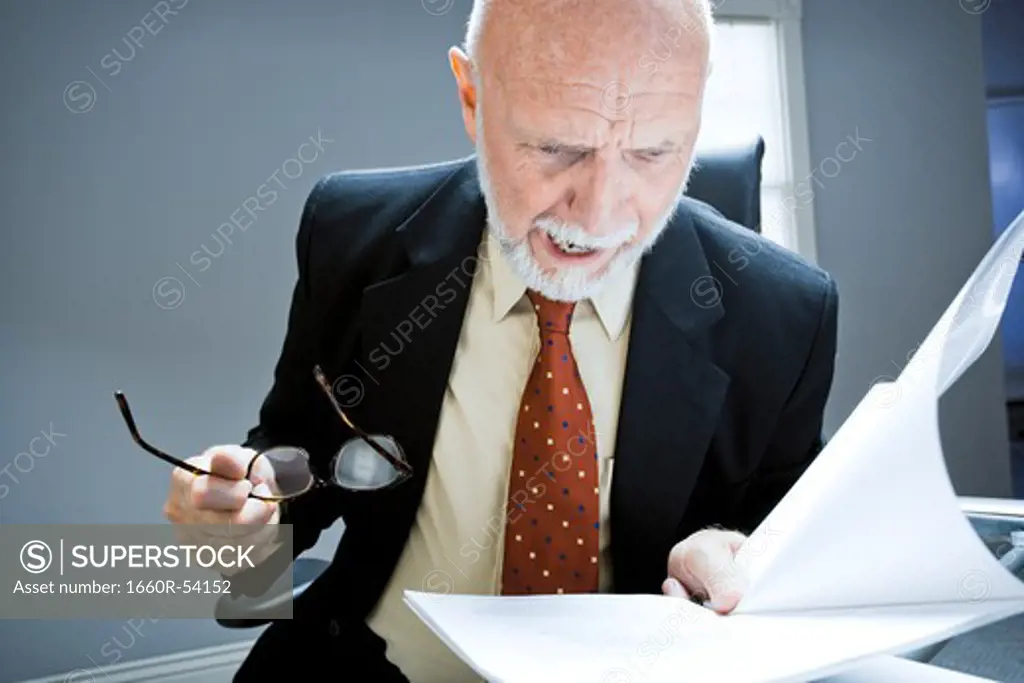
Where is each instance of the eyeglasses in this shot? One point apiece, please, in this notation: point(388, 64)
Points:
point(364, 463)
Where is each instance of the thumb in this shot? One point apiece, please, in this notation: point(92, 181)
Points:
point(230, 462)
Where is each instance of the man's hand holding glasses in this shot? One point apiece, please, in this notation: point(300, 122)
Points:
point(222, 507)
point(232, 494)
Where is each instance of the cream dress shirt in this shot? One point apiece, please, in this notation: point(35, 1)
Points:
point(456, 542)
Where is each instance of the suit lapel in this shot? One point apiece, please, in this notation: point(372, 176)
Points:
point(672, 394)
point(409, 327)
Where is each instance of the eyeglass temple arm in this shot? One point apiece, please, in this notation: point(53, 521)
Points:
point(126, 413)
point(325, 385)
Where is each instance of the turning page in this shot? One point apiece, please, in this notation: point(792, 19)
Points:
point(875, 519)
point(868, 554)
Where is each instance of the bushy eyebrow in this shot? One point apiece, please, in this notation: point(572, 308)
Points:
point(563, 146)
point(663, 146)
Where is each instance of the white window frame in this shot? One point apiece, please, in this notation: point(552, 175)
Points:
point(786, 16)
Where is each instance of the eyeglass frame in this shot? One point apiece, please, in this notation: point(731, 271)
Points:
point(403, 468)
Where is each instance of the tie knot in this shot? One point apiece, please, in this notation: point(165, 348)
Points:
point(552, 316)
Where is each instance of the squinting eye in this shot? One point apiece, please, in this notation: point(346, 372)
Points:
point(557, 152)
point(566, 155)
point(653, 155)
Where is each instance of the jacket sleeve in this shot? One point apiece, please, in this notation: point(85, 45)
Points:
point(286, 410)
point(798, 438)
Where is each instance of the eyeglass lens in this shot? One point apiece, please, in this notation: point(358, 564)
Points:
point(285, 470)
point(357, 466)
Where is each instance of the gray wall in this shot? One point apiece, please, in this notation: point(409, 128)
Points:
point(99, 206)
point(902, 226)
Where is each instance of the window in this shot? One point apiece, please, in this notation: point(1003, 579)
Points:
point(755, 88)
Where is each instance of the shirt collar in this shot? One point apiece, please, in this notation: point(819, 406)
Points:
point(612, 303)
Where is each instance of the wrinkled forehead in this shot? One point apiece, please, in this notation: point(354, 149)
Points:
point(580, 107)
point(608, 93)
point(604, 77)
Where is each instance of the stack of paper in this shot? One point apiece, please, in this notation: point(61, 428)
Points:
point(868, 554)
point(899, 670)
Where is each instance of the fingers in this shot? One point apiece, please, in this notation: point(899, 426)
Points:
point(255, 511)
point(228, 489)
point(255, 525)
point(229, 462)
point(673, 588)
point(704, 565)
point(213, 499)
point(212, 493)
point(733, 539)
point(262, 473)
point(725, 596)
point(707, 567)
point(218, 510)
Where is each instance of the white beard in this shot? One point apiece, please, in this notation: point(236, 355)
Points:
point(570, 283)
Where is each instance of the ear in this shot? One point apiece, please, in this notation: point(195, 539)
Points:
point(462, 68)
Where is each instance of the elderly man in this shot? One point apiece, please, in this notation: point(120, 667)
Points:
point(563, 414)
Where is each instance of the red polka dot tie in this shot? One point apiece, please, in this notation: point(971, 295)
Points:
point(551, 530)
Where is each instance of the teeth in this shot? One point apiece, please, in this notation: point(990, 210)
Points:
point(571, 247)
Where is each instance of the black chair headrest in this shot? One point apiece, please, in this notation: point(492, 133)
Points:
point(729, 179)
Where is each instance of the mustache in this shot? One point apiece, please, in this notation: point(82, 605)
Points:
point(571, 232)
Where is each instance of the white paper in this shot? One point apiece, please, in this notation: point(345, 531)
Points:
point(868, 554)
point(898, 670)
point(652, 638)
point(875, 519)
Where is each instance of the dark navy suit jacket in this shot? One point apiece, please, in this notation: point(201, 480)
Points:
point(730, 362)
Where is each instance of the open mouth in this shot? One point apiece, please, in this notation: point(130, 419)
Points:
point(571, 248)
point(569, 252)
point(571, 244)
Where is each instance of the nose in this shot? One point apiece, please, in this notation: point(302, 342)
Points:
point(595, 196)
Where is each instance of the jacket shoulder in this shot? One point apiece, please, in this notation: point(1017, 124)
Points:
point(755, 270)
point(377, 194)
point(780, 321)
point(350, 218)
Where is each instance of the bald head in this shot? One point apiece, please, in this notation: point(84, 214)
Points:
point(558, 30)
point(592, 111)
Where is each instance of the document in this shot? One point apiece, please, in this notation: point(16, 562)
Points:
point(868, 554)
point(898, 670)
